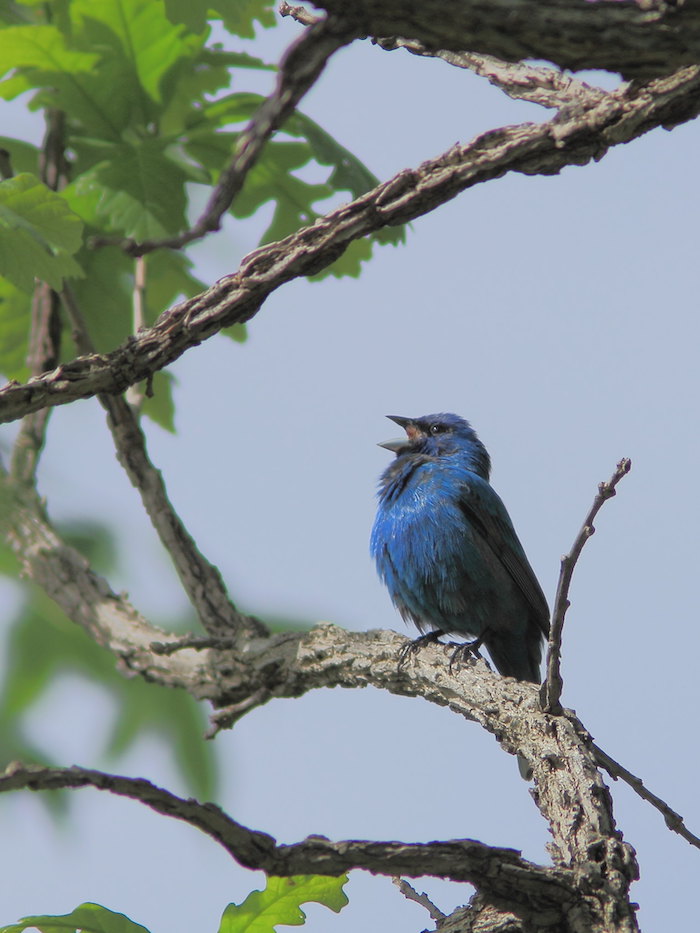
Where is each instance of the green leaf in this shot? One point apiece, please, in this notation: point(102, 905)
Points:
point(105, 296)
point(295, 199)
point(15, 319)
point(280, 903)
point(349, 174)
point(159, 405)
point(186, 85)
point(239, 16)
point(23, 156)
point(91, 918)
point(137, 191)
point(272, 179)
point(38, 234)
point(350, 263)
point(41, 49)
point(138, 31)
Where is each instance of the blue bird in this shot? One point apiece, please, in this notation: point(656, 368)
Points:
point(447, 551)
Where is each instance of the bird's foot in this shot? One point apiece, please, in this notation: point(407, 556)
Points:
point(469, 650)
point(411, 647)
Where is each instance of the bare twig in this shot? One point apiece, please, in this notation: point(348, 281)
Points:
point(299, 69)
point(571, 138)
point(488, 867)
point(673, 820)
point(553, 685)
point(410, 893)
point(201, 580)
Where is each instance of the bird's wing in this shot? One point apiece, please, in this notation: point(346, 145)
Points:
point(484, 510)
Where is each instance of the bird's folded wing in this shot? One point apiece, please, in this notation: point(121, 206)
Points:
point(486, 513)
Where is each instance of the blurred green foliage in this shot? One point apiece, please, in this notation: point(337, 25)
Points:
point(261, 912)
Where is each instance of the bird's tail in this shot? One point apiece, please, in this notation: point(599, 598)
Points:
point(517, 657)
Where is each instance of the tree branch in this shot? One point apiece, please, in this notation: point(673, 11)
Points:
point(673, 820)
point(502, 873)
point(201, 580)
point(410, 893)
point(553, 684)
point(640, 40)
point(300, 68)
point(545, 86)
point(569, 138)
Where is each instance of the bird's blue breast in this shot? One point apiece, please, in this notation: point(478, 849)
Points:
point(427, 552)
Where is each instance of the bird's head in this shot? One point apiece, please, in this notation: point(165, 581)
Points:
point(440, 435)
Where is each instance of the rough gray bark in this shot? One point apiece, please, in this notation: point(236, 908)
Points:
point(640, 40)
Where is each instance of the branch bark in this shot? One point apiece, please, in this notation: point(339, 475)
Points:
point(573, 137)
point(637, 39)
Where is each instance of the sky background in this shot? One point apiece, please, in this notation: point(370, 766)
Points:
point(559, 315)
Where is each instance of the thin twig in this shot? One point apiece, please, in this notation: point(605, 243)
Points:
point(300, 68)
point(201, 580)
point(553, 685)
point(673, 820)
point(410, 893)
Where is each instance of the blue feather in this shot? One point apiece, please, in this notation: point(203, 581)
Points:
point(447, 551)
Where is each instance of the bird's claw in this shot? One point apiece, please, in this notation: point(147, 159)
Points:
point(467, 651)
point(411, 647)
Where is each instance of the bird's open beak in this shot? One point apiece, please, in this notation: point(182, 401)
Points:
point(395, 444)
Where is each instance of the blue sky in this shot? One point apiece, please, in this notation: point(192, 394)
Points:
point(559, 315)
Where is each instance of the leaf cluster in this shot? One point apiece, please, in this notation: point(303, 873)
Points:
point(279, 903)
point(150, 110)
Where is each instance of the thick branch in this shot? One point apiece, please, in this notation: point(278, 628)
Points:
point(502, 873)
point(640, 40)
point(570, 138)
point(300, 68)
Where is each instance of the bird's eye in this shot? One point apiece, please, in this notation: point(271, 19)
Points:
point(435, 428)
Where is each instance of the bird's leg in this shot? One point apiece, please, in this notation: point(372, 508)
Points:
point(411, 647)
point(469, 649)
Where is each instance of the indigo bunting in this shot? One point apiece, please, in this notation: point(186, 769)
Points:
point(447, 551)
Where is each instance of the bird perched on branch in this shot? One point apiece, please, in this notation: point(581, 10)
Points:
point(447, 551)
